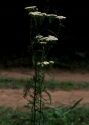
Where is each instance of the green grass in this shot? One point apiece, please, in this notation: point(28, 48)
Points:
point(9, 116)
point(53, 116)
point(13, 83)
point(51, 84)
point(67, 85)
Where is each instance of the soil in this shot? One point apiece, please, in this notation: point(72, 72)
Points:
point(14, 98)
point(54, 74)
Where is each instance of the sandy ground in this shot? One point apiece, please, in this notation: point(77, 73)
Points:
point(52, 74)
point(14, 98)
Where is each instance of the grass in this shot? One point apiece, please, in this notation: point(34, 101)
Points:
point(54, 116)
point(77, 115)
point(9, 116)
point(67, 85)
point(51, 84)
point(13, 83)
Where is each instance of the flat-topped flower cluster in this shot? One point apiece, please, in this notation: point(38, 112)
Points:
point(33, 11)
point(31, 8)
point(45, 40)
point(45, 63)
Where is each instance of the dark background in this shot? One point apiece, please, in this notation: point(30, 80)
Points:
point(14, 30)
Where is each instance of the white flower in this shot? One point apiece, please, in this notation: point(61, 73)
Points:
point(51, 62)
point(37, 13)
point(39, 36)
point(51, 15)
point(31, 8)
point(43, 43)
point(45, 63)
point(44, 14)
point(51, 38)
point(44, 40)
point(61, 17)
point(38, 63)
point(54, 16)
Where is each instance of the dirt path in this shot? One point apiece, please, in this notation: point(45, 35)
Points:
point(53, 74)
point(14, 98)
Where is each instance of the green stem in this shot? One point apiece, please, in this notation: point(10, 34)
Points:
point(35, 94)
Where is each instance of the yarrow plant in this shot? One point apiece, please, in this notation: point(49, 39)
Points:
point(50, 38)
point(37, 102)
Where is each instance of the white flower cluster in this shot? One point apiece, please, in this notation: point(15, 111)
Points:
point(51, 15)
point(33, 11)
point(37, 13)
point(61, 17)
point(51, 62)
point(44, 40)
point(31, 8)
point(55, 16)
point(45, 63)
point(51, 38)
point(39, 36)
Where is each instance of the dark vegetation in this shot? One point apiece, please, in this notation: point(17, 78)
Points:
point(50, 84)
point(57, 116)
point(73, 38)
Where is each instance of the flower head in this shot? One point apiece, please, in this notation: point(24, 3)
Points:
point(45, 63)
point(51, 15)
point(37, 13)
point(54, 16)
point(42, 64)
point(44, 40)
point(51, 62)
point(31, 8)
point(61, 17)
point(51, 38)
point(39, 36)
point(43, 43)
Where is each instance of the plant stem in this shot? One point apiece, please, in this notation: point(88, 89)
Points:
point(35, 94)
